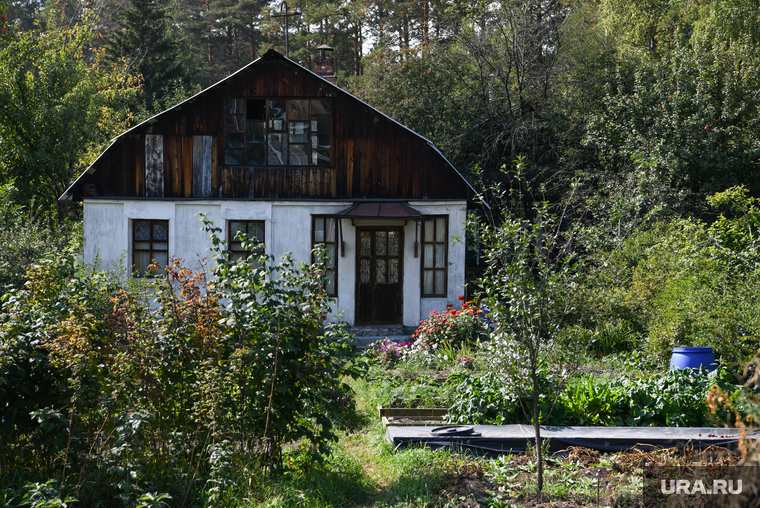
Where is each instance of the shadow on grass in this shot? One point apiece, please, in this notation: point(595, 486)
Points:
point(338, 482)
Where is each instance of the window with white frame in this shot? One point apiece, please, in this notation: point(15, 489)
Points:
point(434, 256)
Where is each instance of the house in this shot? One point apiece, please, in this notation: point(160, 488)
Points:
point(284, 155)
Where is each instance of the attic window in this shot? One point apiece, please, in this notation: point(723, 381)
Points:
point(274, 132)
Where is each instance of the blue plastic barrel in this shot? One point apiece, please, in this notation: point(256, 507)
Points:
point(693, 358)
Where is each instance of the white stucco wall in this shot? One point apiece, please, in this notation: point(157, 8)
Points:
point(108, 234)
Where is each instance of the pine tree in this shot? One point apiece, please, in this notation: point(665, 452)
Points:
point(143, 38)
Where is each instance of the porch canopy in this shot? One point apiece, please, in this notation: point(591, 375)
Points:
point(387, 210)
point(381, 210)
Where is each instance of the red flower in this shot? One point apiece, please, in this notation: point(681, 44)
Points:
point(461, 298)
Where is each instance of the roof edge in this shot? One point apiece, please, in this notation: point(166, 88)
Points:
point(269, 55)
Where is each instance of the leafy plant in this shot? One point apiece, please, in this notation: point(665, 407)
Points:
point(453, 328)
point(387, 353)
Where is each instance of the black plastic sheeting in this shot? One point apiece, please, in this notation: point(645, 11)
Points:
point(494, 440)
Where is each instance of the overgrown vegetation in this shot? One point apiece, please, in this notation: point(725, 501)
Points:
point(123, 389)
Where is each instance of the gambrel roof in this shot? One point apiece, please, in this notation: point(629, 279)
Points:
point(178, 154)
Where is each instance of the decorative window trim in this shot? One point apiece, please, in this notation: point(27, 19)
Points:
point(329, 237)
point(236, 246)
point(435, 246)
point(277, 132)
point(157, 248)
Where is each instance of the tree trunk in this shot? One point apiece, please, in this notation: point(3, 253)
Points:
point(537, 427)
point(425, 21)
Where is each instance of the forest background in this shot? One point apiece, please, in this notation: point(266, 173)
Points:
point(650, 106)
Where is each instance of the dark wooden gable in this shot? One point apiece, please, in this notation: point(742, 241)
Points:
point(179, 153)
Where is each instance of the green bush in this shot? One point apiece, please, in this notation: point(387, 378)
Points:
point(131, 397)
point(676, 398)
point(676, 284)
point(453, 328)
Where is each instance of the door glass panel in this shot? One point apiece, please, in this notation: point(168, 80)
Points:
point(160, 230)
point(439, 281)
point(427, 282)
point(380, 271)
point(429, 227)
point(142, 230)
point(380, 243)
point(330, 282)
point(440, 230)
point(159, 246)
point(142, 245)
point(276, 153)
point(299, 110)
point(299, 155)
point(439, 256)
point(365, 244)
point(392, 271)
point(393, 243)
point(427, 256)
point(364, 271)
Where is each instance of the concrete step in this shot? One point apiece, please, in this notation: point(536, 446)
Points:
point(368, 335)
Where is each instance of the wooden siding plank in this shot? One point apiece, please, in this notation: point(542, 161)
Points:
point(154, 165)
point(216, 181)
point(187, 166)
point(138, 143)
point(385, 167)
point(173, 153)
point(393, 173)
point(197, 166)
point(206, 167)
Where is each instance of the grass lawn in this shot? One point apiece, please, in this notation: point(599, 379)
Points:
point(364, 472)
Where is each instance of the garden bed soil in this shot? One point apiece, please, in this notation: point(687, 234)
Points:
point(471, 487)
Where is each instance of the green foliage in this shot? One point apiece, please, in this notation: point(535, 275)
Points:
point(676, 398)
point(140, 399)
point(453, 328)
point(26, 238)
point(387, 353)
point(483, 400)
point(681, 283)
point(58, 107)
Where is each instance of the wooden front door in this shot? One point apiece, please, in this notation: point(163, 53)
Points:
point(379, 276)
